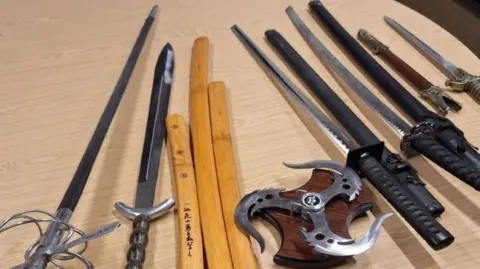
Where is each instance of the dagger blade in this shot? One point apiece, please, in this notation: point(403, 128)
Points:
point(294, 95)
point(397, 123)
point(449, 68)
point(155, 130)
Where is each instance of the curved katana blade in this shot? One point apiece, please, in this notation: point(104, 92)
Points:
point(449, 68)
point(294, 95)
point(397, 123)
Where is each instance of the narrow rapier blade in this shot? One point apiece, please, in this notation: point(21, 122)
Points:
point(449, 68)
point(155, 130)
point(337, 135)
point(397, 123)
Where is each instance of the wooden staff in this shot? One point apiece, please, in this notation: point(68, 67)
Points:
point(240, 246)
point(191, 246)
point(213, 226)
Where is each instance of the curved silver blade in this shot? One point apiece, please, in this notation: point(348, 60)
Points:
point(449, 68)
point(336, 134)
point(397, 123)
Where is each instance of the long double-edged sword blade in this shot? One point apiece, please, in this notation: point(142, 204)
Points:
point(337, 135)
point(449, 68)
point(397, 123)
point(155, 130)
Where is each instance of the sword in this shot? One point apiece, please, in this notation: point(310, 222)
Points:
point(55, 243)
point(435, 95)
point(458, 78)
point(435, 137)
point(354, 125)
point(364, 160)
point(144, 210)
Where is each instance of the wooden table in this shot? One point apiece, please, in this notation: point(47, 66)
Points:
point(59, 61)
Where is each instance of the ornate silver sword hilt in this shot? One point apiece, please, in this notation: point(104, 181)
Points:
point(466, 82)
point(56, 242)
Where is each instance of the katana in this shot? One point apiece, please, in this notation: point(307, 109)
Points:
point(435, 95)
point(144, 210)
point(355, 126)
point(435, 137)
point(364, 160)
point(56, 242)
point(458, 78)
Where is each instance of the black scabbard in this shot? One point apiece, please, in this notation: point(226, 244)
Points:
point(435, 137)
point(389, 186)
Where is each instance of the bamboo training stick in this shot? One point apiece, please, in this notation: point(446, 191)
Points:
point(213, 226)
point(240, 246)
point(191, 246)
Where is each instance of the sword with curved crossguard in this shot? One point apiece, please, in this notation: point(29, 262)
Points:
point(144, 210)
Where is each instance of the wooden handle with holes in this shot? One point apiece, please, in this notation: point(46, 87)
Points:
point(191, 245)
point(213, 226)
point(240, 246)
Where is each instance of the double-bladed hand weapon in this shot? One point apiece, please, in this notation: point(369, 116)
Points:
point(435, 95)
point(144, 210)
point(435, 137)
point(364, 160)
point(458, 78)
point(55, 243)
point(360, 132)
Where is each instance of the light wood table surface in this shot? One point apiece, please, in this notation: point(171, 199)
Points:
point(59, 61)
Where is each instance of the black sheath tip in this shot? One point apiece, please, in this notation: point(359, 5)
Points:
point(153, 12)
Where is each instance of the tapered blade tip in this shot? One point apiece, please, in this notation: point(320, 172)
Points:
point(168, 46)
point(153, 12)
point(388, 20)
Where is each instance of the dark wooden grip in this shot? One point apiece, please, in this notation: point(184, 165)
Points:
point(138, 242)
point(405, 70)
point(295, 251)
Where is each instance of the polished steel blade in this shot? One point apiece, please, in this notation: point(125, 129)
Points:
point(397, 123)
point(155, 130)
point(337, 135)
point(449, 68)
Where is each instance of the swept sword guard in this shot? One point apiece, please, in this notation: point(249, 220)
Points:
point(151, 212)
point(48, 247)
point(312, 219)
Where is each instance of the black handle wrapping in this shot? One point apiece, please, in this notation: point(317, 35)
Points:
point(410, 181)
point(427, 139)
point(138, 242)
point(416, 215)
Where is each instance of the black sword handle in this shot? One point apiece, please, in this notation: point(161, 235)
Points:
point(138, 242)
point(416, 215)
point(427, 144)
point(409, 179)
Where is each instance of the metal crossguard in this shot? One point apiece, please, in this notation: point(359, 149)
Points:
point(61, 251)
point(311, 206)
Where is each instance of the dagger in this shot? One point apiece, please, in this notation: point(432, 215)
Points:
point(358, 130)
point(437, 138)
point(435, 95)
point(55, 243)
point(458, 78)
point(388, 186)
point(144, 210)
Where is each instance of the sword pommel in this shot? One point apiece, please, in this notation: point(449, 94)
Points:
point(373, 44)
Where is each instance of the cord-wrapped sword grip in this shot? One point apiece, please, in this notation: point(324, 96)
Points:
point(138, 242)
point(409, 179)
point(416, 215)
point(439, 142)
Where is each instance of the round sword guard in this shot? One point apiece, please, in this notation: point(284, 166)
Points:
point(62, 251)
